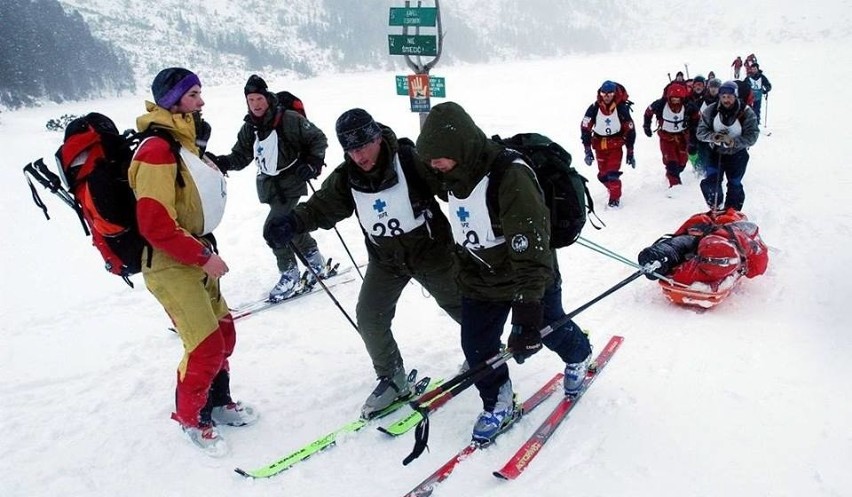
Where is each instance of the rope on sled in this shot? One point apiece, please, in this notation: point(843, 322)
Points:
point(596, 247)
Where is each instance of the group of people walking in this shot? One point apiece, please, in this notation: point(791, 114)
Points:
point(502, 261)
point(703, 121)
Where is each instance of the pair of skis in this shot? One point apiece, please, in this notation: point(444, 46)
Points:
point(335, 277)
point(525, 454)
point(329, 440)
point(510, 471)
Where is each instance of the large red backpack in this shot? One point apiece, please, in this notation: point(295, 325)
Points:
point(93, 162)
point(621, 96)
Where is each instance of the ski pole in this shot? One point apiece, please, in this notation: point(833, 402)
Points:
point(345, 247)
point(501, 358)
point(463, 381)
point(766, 112)
point(304, 260)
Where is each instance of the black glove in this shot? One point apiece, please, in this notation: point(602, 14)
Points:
point(309, 168)
point(631, 161)
point(589, 157)
point(525, 338)
point(668, 252)
point(280, 231)
point(220, 161)
point(647, 130)
point(202, 133)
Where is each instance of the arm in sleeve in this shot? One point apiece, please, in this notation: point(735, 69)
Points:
point(586, 126)
point(628, 128)
point(704, 131)
point(312, 141)
point(649, 112)
point(242, 153)
point(330, 204)
point(152, 176)
point(526, 227)
point(751, 130)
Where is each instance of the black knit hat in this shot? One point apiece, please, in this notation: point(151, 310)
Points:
point(256, 84)
point(171, 84)
point(356, 128)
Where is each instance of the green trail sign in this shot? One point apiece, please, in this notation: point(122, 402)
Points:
point(413, 45)
point(422, 16)
point(437, 86)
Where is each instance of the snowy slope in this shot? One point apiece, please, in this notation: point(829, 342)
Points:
point(748, 399)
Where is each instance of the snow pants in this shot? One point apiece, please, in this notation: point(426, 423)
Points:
point(206, 328)
point(674, 149)
point(733, 167)
point(482, 326)
point(284, 257)
point(608, 154)
point(383, 284)
point(758, 99)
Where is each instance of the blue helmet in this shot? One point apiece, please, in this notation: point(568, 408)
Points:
point(608, 87)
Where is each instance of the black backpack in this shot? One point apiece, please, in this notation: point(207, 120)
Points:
point(565, 191)
point(93, 162)
point(288, 101)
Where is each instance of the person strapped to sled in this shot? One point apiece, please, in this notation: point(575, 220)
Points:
point(705, 258)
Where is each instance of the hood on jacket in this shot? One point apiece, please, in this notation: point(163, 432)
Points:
point(449, 132)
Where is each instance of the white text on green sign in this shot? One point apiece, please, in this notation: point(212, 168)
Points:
point(423, 16)
point(437, 86)
point(413, 45)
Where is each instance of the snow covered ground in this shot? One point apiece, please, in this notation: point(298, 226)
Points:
point(748, 399)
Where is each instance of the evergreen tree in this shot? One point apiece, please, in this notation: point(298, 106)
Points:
point(48, 54)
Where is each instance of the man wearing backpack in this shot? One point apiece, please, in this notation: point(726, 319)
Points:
point(384, 183)
point(760, 85)
point(507, 263)
point(730, 128)
point(288, 151)
point(607, 127)
point(182, 268)
point(673, 119)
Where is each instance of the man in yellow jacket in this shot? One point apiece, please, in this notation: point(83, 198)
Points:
point(180, 200)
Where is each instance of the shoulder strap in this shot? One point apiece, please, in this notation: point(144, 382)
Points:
point(495, 176)
point(174, 146)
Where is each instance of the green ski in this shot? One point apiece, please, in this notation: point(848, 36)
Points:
point(330, 439)
point(407, 423)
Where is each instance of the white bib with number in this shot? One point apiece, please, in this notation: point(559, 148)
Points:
point(470, 220)
point(388, 212)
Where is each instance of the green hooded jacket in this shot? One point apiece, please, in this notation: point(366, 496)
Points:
point(521, 268)
point(421, 249)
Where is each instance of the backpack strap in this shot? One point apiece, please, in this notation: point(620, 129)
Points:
point(495, 176)
point(137, 138)
point(422, 200)
point(174, 146)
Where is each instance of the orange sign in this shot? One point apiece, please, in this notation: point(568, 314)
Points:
point(418, 86)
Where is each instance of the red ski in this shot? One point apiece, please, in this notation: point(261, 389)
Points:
point(531, 447)
point(427, 486)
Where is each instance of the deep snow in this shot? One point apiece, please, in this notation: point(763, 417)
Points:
point(750, 398)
